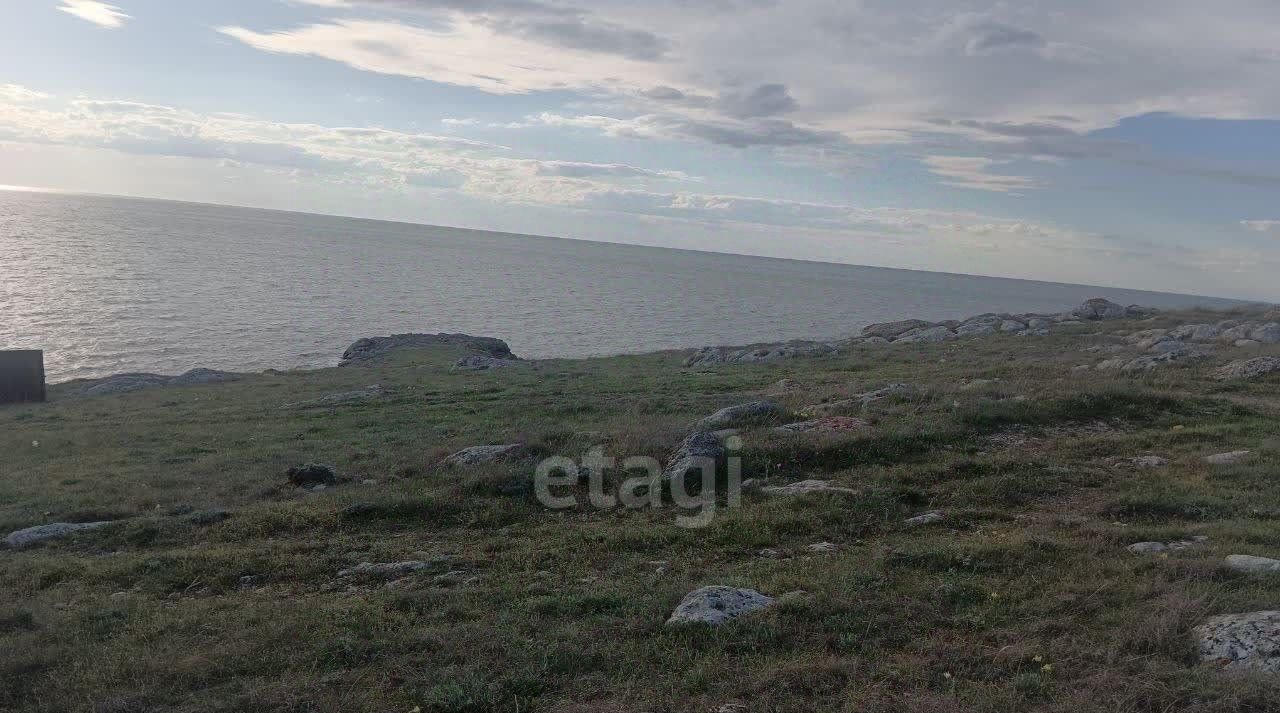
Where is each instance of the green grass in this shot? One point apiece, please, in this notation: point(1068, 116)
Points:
point(1024, 598)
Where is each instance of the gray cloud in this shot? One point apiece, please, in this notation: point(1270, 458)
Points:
point(576, 169)
point(986, 37)
point(764, 100)
point(581, 33)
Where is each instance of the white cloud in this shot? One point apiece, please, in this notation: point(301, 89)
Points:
point(972, 172)
point(1262, 226)
point(99, 13)
point(19, 93)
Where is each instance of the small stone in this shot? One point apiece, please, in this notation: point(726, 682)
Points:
point(804, 487)
point(1249, 563)
point(694, 452)
point(769, 553)
point(823, 548)
point(927, 518)
point(1149, 461)
point(249, 581)
point(716, 605)
point(481, 455)
point(1226, 458)
point(312, 474)
point(1148, 548)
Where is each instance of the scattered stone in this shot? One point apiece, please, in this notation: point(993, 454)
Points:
point(714, 356)
point(890, 330)
point(1226, 458)
point(482, 455)
point(40, 533)
point(368, 393)
point(805, 487)
point(204, 518)
point(312, 475)
point(823, 548)
point(696, 450)
point(1249, 563)
point(1241, 642)
point(754, 413)
point(383, 570)
point(1099, 309)
point(484, 362)
point(1248, 368)
point(718, 604)
point(826, 425)
point(927, 518)
point(372, 348)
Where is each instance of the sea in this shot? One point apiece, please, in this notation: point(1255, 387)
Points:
point(106, 285)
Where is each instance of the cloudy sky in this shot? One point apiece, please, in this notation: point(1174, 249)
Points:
point(1131, 143)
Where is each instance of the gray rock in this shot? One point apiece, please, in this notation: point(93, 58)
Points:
point(1149, 461)
point(1099, 308)
point(1148, 548)
point(1249, 563)
point(695, 451)
point(128, 383)
point(1248, 368)
point(383, 570)
point(975, 329)
point(481, 455)
point(1230, 335)
point(827, 425)
point(823, 548)
point(373, 348)
point(1168, 345)
point(1147, 363)
point(927, 335)
point(718, 604)
point(484, 362)
point(1226, 458)
point(196, 377)
point(312, 475)
point(1268, 333)
point(927, 518)
point(35, 535)
point(805, 487)
point(889, 330)
point(1011, 325)
point(753, 413)
point(1241, 642)
point(715, 356)
point(1246, 343)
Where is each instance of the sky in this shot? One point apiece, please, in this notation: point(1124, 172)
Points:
point(1134, 144)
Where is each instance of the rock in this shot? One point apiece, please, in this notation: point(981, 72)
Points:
point(1098, 309)
point(1012, 325)
point(482, 455)
point(127, 383)
point(1038, 323)
point(698, 449)
point(975, 329)
point(927, 335)
point(805, 487)
point(894, 391)
point(368, 393)
point(1226, 458)
point(754, 413)
point(714, 356)
point(823, 548)
point(1148, 548)
point(196, 377)
point(1205, 333)
point(1249, 563)
point(312, 474)
point(1241, 642)
point(1245, 343)
point(1145, 338)
point(1248, 368)
point(1236, 333)
point(1268, 333)
point(890, 330)
point(1147, 363)
point(927, 518)
point(717, 604)
point(208, 517)
point(769, 553)
point(484, 362)
point(249, 581)
point(35, 535)
point(1111, 364)
point(826, 425)
point(1149, 461)
point(383, 570)
point(372, 348)
point(1167, 345)
point(1140, 312)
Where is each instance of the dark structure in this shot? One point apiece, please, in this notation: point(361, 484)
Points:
point(21, 376)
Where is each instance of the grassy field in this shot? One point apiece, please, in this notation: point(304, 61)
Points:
point(1023, 598)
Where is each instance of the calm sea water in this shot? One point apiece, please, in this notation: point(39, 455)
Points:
point(105, 285)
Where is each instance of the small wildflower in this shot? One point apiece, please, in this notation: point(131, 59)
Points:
point(947, 675)
point(1038, 658)
point(995, 595)
point(1047, 668)
point(35, 444)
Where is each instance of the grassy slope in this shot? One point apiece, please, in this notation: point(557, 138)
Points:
point(1024, 599)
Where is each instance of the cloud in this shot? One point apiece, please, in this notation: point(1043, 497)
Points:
point(577, 169)
point(765, 132)
point(971, 172)
point(1262, 226)
point(19, 93)
point(99, 13)
point(764, 100)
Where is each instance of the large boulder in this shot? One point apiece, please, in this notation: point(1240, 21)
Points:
point(754, 413)
point(1099, 308)
point(762, 353)
point(1268, 333)
point(35, 535)
point(1248, 368)
point(698, 449)
point(890, 330)
point(718, 604)
point(1249, 563)
point(975, 329)
point(926, 335)
point(373, 348)
point(1241, 642)
point(312, 474)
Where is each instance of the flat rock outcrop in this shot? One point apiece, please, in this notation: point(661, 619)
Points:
point(484, 362)
point(1249, 563)
point(373, 348)
point(40, 533)
point(127, 383)
point(696, 450)
point(1248, 368)
point(718, 604)
point(481, 455)
point(714, 356)
point(754, 413)
point(1241, 642)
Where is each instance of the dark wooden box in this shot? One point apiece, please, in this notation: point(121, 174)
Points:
point(21, 376)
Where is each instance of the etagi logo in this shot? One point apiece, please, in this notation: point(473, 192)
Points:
point(692, 483)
